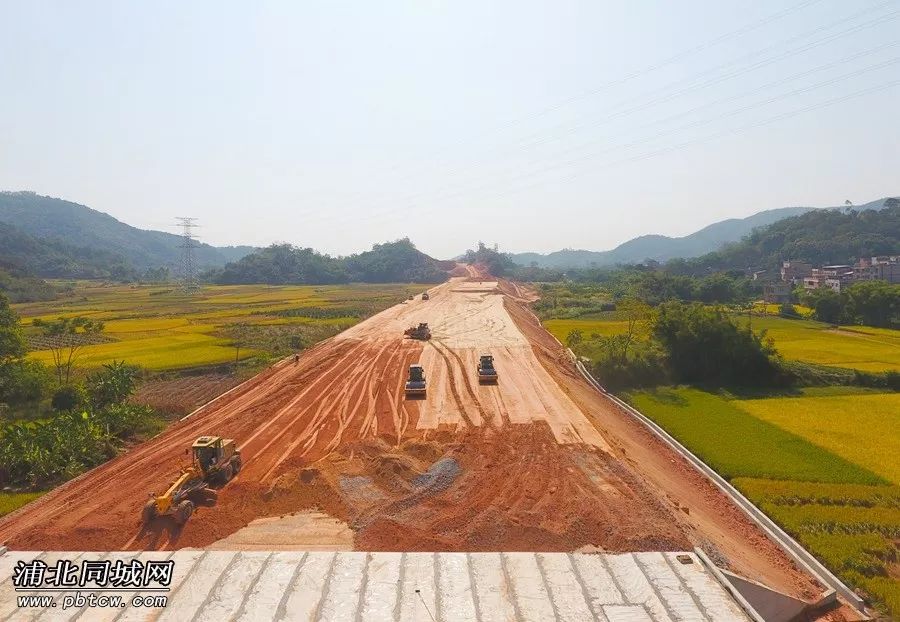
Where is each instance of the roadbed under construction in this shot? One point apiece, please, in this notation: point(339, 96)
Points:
point(540, 461)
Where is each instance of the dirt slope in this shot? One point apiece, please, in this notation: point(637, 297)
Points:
point(539, 462)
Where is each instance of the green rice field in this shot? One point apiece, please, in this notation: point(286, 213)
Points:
point(824, 464)
point(160, 328)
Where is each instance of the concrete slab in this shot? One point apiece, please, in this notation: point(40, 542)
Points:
point(353, 586)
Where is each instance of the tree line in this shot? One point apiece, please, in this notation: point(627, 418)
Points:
point(282, 264)
point(872, 303)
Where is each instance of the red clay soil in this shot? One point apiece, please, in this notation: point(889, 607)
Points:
point(539, 462)
point(520, 490)
point(705, 513)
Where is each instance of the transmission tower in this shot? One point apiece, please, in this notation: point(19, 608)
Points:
point(189, 282)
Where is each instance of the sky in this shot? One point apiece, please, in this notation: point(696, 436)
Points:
point(533, 125)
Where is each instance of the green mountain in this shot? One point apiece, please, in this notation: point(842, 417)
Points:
point(78, 226)
point(52, 258)
point(279, 264)
point(663, 248)
point(820, 237)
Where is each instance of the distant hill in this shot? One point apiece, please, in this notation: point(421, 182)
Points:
point(280, 264)
point(79, 226)
point(51, 258)
point(820, 237)
point(662, 248)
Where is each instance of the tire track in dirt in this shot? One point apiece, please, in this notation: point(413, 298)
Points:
point(453, 390)
point(466, 382)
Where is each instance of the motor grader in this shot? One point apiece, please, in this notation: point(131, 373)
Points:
point(214, 460)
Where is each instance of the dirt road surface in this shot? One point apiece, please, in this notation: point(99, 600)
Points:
point(538, 462)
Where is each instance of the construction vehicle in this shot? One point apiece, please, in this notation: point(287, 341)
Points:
point(421, 332)
point(415, 385)
point(486, 371)
point(214, 460)
point(425, 296)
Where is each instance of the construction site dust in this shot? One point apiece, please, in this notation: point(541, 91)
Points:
point(536, 461)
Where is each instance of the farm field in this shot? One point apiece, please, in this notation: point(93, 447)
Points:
point(160, 328)
point(854, 347)
point(604, 324)
point(11, 501)
point(849, 424)
point(823, 464)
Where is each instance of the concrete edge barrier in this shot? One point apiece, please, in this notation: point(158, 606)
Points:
point(787, 544)
point(724, 582)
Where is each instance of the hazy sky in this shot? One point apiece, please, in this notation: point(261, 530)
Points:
point(536, 125)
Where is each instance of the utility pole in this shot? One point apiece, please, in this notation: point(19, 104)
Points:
point(189, 282)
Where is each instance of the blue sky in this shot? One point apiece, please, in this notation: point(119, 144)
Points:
point(536, 125)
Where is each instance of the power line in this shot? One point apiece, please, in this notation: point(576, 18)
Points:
point(647, 103)
point(668, 97)
point(700, 122)
point(750, 126)
point(689, 143)
point(450, 193)
point(628, 77)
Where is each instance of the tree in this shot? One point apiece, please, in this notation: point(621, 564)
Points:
point(67, 398)
point(574, 338)
point(20, 380)
point(23, 381)
point(874, 303)
point(497, 263)
point(67, 336)
point(113, 384)
point(705, 345)
point(12, 344)
point(638, 316)
point(716, 288)
point(827, 305)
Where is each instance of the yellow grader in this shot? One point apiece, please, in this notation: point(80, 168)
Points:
point(214, 460)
